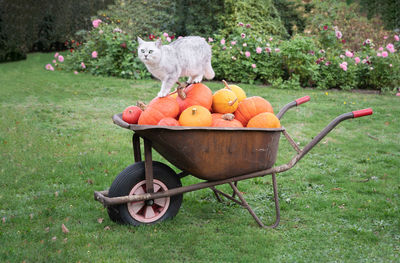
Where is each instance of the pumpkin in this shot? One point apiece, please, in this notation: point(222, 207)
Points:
point(227, 120)
point(215, 116)
point(196, 116)
point(250, 107)
point(168, 121)
point(264, 120)
point(240, 94)
point(131, 114)
point(224, 101)
point(194, 94)
point(157, 109)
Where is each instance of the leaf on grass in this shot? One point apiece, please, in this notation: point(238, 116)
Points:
point(54, 238)
point(47, 229)
point(3, 219)
point(64, 229)
point(100, 220)
point(336, 189)
point(107, 228)
point(89, 181)
point(56, 194)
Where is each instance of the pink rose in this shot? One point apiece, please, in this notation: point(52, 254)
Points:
point(56, 55)
point(60, 58)
point(379, 54)
point(277, 50)
point(396, 37)
point(49, 67)
point(349, 54)
point(380, 49)
point(338, 34)
point(165, 34)
point(233, 43)
point(94, 54)
point(83, 65)
point(268, 50)
point(357, 59)
point(168, 39)
point(343, 66)
point(96, 23)
point(245, 44)
point(390, 48)
point(210, 39)
point(384, 54)
point(76, 72)
point(247, 54)
point(222, 41)
point(258, 50)
point(253, 65)
point(243, 35)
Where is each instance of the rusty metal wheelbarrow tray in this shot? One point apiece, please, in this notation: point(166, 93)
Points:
point(217, 155)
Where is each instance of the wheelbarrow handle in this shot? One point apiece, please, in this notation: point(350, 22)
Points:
point(332, 125)
point(291, 105)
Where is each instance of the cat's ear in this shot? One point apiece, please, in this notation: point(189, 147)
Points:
point(158, 43)
point(140, 41)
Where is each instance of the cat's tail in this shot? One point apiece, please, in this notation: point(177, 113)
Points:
point(209, 72)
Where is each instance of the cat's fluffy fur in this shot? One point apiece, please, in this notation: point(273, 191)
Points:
point(185, 57)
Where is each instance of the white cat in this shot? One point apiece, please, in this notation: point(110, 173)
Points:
point(185, 57)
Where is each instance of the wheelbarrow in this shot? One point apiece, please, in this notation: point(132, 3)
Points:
point(148, 191)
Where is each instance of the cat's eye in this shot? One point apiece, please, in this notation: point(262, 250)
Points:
point(150, 51)
point(142, 50)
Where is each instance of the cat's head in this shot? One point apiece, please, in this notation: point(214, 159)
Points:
point(149, 52)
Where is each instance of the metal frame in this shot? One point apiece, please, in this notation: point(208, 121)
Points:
point(102, 196)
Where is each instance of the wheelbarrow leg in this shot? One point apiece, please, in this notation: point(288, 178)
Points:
point(245, 204)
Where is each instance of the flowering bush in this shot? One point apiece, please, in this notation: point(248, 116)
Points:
point(303, 61)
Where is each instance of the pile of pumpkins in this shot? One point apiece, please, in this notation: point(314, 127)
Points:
point(196, 106)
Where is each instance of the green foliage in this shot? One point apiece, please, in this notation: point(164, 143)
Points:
point(141, 17)
point(115, 54)
point(387, 9)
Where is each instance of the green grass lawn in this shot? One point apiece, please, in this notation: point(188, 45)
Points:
point(340, 203)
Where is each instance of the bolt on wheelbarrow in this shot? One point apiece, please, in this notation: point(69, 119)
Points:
point(148, 191)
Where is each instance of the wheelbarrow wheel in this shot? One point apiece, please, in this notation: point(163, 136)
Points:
point(131, 181)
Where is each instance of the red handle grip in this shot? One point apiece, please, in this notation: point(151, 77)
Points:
point(361, 113)
point(302, 100)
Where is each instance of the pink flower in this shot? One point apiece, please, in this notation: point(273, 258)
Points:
point(364, 61)
point(94, 54)
point(396, 37)
point(245, 44)
point(54, 61)
point(380, 49)
point(168, 39)
point(271, 38)
point(240, 24)
point(248, 25)
point(341, 56)
point(385, 37)
point(327, 63)
point(384, 54)
point(117, 30)
point(222, 41)
point(390, 48)
point(338, 34)
point(210, 39)
point(253, 65)
point(165, 34)
point(247, 54)
point(343, 65)
point(268, 50)
point(83, 65)
point(258, 50)
point(60, 58)
point(390, 65)
point(277, 50)
point(96, 23)
point(180, 37)
point(56, 55)
point(357, 60)
point(243, 35)
point(49, 67)
point(233, 43)
point(325, 27)
point(349, 54)
point(76, 72)
point(379, 54)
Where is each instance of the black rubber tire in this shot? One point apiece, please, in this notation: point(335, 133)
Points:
point(113, 214)
point(134, 174)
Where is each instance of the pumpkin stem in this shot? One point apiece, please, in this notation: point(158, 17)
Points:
point(141, 105)
point(232, 102)
point(180, 89)
point(228, 117)
point(194, 110)
point(226, 85)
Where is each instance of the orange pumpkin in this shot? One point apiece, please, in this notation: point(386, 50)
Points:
point(196, 94)
point(264, 120)
point(196, 116)
point(224, 101)
point(250, 107)
point(168, 121)
point(131, 114)
point(157, 109)
point(227, 120)
point(215, 116)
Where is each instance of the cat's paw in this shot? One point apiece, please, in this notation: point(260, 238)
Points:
point(162, 94)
